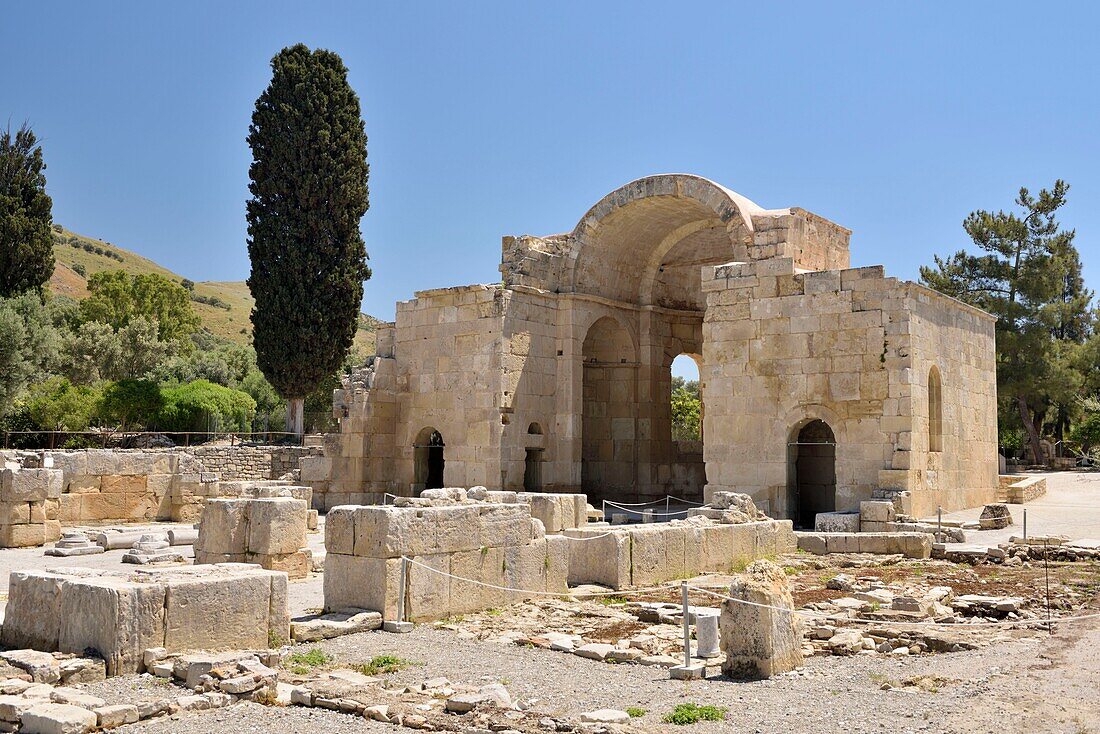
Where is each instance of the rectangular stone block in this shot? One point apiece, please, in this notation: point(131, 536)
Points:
point(276, 526)
point(117, 618)
point(32, 618)
point(340, 530)
point(361, 582)
point(876, 511)
point(22, 536)
point(229, 609)
point(224, 526)
point(599, 556)
point(29, 485)
point(390, 532)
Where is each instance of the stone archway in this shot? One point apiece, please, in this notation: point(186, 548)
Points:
point(811, 479)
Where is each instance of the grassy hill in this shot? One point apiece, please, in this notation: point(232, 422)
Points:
point(223, 306)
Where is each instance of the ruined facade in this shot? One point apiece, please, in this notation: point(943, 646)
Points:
point(820, 383)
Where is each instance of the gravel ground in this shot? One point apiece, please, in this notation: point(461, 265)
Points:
point(252, 718)
point(1045, 684)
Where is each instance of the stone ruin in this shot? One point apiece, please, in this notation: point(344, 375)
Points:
point(822, 385)
point(268, 531)
point(120, 615)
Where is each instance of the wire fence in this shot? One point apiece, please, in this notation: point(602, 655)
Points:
point(50, 440)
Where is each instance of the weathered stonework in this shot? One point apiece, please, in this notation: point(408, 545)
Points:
point(120, 614)
point(269, 531)
point(823, 385)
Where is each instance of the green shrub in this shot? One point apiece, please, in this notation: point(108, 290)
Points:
point(382, 664)
point(692, 713)
point(131, 404)
point(635, 712)
point(200, 405)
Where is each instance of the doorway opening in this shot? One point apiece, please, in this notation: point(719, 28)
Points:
point(811, 471)
point(428, 460)
point(532, 471)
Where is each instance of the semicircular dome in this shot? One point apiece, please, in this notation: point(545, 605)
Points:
point(644, 241)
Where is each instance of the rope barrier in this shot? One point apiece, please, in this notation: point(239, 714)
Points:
point(801, 612)
point(654, 514)
point(595, 537)
point(892, 623)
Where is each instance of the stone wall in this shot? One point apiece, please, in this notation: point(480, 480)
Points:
point(121, 614)
point(642, 555)
point(144, 485)
point(843, 347)
point(268, 531)
point(495, 544)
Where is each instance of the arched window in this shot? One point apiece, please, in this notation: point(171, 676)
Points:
point(935, 411)
point(534, 429)
point(687, 402)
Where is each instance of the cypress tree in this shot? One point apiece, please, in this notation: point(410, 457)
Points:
point(26, 242)
point(309, 191)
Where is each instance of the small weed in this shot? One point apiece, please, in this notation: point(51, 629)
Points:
point(611, 600)
point(456, 619)
point(274, 639)
point(484, 551)
point(790, 570)
point(382, 664)
point(506, 681)
point(693, 713)
point(302, 663)
point(494, 612)
point(875, 606)
point(635, 712)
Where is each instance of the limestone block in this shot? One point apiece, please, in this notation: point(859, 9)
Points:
point(29, 485)
point(390, 532)
point(487, 565)
point(278, 609)
point(599, 556)
point(57, 718)
point(276, 526)
point(296, 565)
point(123, 484)
point(224, 526)
point(117, 618)
point(759, 641)
point(23, 536)
point(657, 553)
point(836, 522)
point(18, 513)
point(361, 582)
point(52, 530)
point(33, 613)
point(430, 593)
point(340, 530)
point(225, 610)
point(877, 511)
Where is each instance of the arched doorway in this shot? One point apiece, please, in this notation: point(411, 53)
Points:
point(428, 460)
point(811, 473)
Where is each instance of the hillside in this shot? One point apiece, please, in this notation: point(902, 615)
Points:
point(224, 307)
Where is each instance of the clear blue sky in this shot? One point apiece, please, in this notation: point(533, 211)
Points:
point(486, 119)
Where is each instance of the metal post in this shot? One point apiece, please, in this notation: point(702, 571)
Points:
point(603, 509)
point(401, 585)
point(1025, 524)
point(667, 498)
point(939, 524)
point(687, 625)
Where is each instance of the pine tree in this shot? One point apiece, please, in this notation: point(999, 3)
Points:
point(26, 242)
point(309, 191)
point(1029, 278)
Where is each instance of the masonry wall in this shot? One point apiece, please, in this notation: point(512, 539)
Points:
point(783, 348)
point(448, 349)
point(958, 341)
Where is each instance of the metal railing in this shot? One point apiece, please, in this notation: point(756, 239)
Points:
point(34, 439)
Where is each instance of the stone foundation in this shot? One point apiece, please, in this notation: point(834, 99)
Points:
point(29, 507)
point(269, 531)
point(1018, 490)
point(497, 544)
point(642, 555)
point(911, 545)
point(121, 614)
